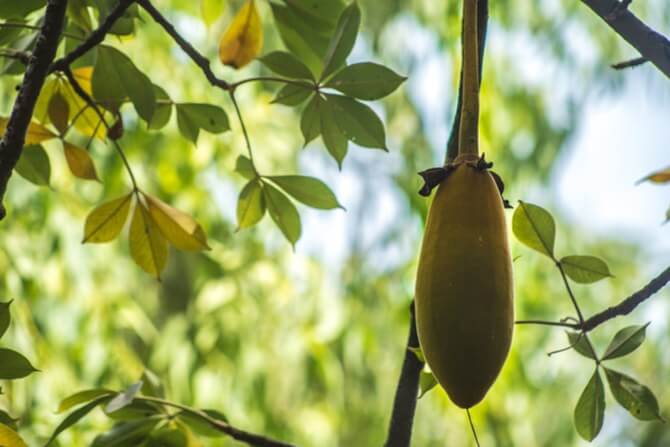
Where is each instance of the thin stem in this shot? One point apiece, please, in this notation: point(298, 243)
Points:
point(472, 426)
point(548, 323)
point(87, 98)
point(244, 129)
point(304, 83)
point(468, 132)
point(36, 28)
point(224, 427)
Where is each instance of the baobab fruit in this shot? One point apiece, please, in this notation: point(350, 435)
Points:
point(464, 296)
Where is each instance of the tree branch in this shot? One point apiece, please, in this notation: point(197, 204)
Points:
point(200, 60)
point(404, 403)
point(629, 63)
point(626, 306)
point(652, 45)
point(33, 80)
point(95, 38)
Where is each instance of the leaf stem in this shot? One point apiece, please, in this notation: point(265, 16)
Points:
point(468, 131)
point(234, 85)
point(238, 112)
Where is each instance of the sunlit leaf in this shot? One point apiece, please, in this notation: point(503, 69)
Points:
point(625, 341)
point(293, 94)
point(106, 221)
point(192, 117)
point(308, 190)
point(426, 382)
point(151, 384)
point(5, 317)
point(590, 410)
point(310, 122)
point(662, 176)
point(211, 10)
point(359, 123)
point(178, 227)
point(75, 416)
point(418, 352)
point(283, 212)
point(250, 205)
point(285, 64)
point(123, 398)
point(168, 436)
point(366, 81)
point(82, 397)
point(244, 167)
point(80, 162)
point(9, 438)
point(579, 343)
point(243, 39)
point(34, 165)
point(131, 433)
point(59, 112)
point(585, 269)
point(36, 132)
point(633, 396)
point(342, 40)
point(148, 246)
point(333, 137)
point(534, 226)
point(163, 109)
point(13, 365)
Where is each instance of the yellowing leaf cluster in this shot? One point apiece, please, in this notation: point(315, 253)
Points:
point(154, 225)
point(243, 40)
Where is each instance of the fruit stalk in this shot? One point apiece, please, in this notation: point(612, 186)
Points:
point(468, 134)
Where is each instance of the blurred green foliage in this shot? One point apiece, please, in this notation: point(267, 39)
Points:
point(306, 345)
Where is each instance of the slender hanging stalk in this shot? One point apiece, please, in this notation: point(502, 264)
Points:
point(468, 133)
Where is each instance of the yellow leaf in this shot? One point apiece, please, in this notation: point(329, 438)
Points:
point(83, 75)
point(106, 221)
point(243, 39)
point(178, 227)
point(662, 176)
point(80, 162)
point(35, 135)
point(148, 247)
point(9, 438)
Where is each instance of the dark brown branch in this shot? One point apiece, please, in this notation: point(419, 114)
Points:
point(200, 60)
point(629, 63)
point(95, 38)
point(33, 80)
point(482, 25)
point(626, 306)
point(652, 45)
point(404, 403)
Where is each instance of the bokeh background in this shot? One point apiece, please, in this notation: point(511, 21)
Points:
point(306, 345)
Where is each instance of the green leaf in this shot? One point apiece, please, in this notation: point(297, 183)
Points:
point(14, 365)
point(34, 165)
point(625, 341)
point(151, 384)
point(333, 137)
point(192, 117)
point(590, 409)
point(127, 433)
point(585, 269)
point(342, 40)
point(82, 397)
point(366, 81)
point(75, 416)
point(8, 420)
point(5, 317)
point(633, 396)
point(579, 343)
point(286, 64)
point(123, 398)
point(250, 205)
point(534, 226)
point(136, 410)
point(211, 10)
point(293, 94)
point(167, 436)
point(200, 425)
point(17, 9)
point(308, 190)
point(310, 122)
point(426, 382)
point(283, 212)
point(360, 123)
point(162, 111)
point(245, 168)
point(418, 353)
point(116, 77)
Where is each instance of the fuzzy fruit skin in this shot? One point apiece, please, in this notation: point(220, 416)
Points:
point(464, 295)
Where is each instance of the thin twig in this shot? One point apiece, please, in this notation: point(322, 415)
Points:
point(629, 63)
point(33, 80)
point(200, 60)
point(93, 39)
point(629, 304)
